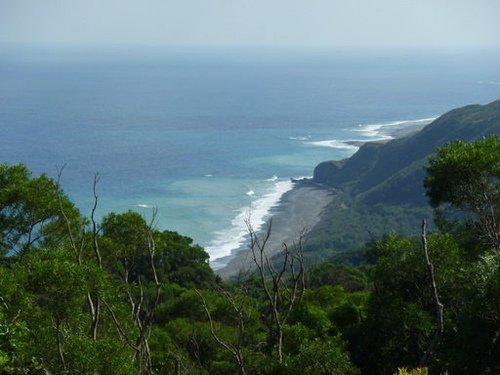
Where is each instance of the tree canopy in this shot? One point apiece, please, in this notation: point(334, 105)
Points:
point(467, 176)
point(31, 209)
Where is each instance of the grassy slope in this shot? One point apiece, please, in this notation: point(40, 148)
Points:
point(380, 187)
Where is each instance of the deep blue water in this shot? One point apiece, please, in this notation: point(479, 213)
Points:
point(204, 134)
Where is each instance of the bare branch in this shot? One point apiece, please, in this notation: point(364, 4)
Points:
point(63, 213)
point(281, 296)
point(438, 305)
point(93, 305)
point(234, 350)
point(59, 344)
point(94, 224)
point(118, 326)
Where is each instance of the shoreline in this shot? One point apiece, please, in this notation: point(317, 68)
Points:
point(298, 211)
point(300, 208)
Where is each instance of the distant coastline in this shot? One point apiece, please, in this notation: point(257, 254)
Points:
point(197, 133)
point(300, 208)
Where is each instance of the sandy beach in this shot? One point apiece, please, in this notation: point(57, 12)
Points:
point(298, 211)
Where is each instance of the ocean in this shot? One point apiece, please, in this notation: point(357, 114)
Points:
point(207, 135)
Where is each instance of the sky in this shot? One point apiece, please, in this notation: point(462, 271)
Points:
point(220, 23)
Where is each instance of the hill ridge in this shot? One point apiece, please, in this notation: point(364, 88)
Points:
point(380, 189)
point(377, 163)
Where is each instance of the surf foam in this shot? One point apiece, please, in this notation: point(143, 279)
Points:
point(335, 143)
point(257, 212)
point(260, 207)
point(372, 132)
point(376, 131)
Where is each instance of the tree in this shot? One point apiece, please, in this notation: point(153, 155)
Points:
point(134, 243)
point(182, 262)
point(283, 287)
point(438, 305)
point(44, 323)
point(30, 210)
point(326, 273)
point(401, 319)
point(466, 176)
point(236, 348)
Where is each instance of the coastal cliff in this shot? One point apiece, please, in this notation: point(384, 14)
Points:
point(380, 188)
point(392, 172)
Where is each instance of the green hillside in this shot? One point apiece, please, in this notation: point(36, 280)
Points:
point(380, 188)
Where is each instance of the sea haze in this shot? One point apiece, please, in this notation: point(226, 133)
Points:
point(204, 135)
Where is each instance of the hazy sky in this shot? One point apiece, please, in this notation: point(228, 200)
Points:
point(297, 23)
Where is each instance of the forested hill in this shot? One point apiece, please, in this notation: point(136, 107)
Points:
point(392, 172)
point(380, 188)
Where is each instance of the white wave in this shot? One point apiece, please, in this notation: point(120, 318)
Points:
point(234, 237)
point(488, 82)
point(142, 205)
point(302, 138)
point(334, 143)
point(208, 175)
point(272, 179)
point(250, 193)
point(375, 131)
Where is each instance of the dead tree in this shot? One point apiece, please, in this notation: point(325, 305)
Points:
point(142, 313)
point(489, 220)
point(234, 348)
point(142, 316)
point(437, 303)
point(93, 299)
point(283, 286)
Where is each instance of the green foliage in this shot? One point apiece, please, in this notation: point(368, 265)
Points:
point(347, 225)
point(400, 319)
point(13, 341)
point(178, 260)
point(475, 348)
point(30, 210)
point(401, 314)
point(43, 301)
point(187, 263)
point(326, 273)
point(125, 245)
point(105, 356)
point(314, 318)
point(466, 176)
point(325, 357)
point(416, 371)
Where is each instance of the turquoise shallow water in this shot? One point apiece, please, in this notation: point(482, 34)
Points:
point(204, 135)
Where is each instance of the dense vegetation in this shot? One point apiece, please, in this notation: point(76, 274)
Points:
point(380, 187)
point(78, 296)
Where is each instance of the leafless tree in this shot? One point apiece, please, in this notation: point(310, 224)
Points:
point(489, 218)
point(142, 313)
point(283, 286)
point(424, 360)
point(234, 348)
point(77, 245)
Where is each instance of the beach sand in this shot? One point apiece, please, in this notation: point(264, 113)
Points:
point(298, 211)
